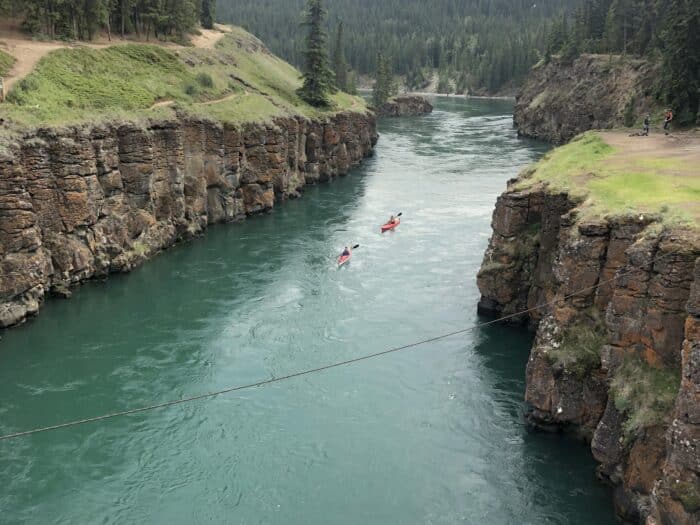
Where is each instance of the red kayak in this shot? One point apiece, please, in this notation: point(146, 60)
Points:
point(343, 259)
point(391, 225)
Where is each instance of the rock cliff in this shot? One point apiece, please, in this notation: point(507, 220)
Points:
point(616, 358)
point(561, 99)
point(405, 106)
point(78, 203)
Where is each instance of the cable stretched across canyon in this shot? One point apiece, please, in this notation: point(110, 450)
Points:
point(310, 371)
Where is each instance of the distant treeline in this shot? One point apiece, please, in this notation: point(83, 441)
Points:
point(478, 44)
point(666, 30)
point(83, 19)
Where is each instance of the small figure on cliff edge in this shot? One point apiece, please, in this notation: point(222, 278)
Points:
point(645, 127)
point(668, 117)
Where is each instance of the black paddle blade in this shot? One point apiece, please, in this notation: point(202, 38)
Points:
point(356, 246)
point(400, 214)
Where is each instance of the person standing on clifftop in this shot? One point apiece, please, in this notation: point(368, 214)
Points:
point(668, 117)
point(645, 126)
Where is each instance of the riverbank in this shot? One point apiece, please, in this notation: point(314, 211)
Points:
point(111, 154)
point(605, 232)
point(81, 203)
point(264, 298)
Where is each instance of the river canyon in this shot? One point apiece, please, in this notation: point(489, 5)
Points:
point(435, 434)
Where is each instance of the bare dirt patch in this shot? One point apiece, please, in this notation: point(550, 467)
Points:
point(672, 154)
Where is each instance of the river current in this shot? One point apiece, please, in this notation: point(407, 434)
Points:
point(430, 435)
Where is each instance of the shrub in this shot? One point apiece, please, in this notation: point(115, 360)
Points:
point(579, 349)
point(205, 80)
point(688, 494)
point(645, 395)
point(191, 89)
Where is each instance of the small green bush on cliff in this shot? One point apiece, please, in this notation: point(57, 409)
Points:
point(645, 395)
point(688, 494)
point(579, 349)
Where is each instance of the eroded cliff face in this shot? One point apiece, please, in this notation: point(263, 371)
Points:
point(616, 357)
point(559, 100)
point(81, 203)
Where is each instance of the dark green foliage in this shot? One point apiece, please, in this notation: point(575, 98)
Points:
point(669, 28)
point(384, 84)
point(681, 51)
point(318, 78)
point(83, 19)
point(205, 80)
point(208, 13)
point(340, 66)
point(492, 42)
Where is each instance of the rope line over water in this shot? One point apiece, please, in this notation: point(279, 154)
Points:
point(310, 371)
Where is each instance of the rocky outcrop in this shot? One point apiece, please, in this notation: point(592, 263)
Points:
point(615, 303)
point(405, 106)
point(561, 99)
point(81, 203)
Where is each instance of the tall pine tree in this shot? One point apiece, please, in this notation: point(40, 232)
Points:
point(318, 78)
point(681, 39)
point(340, 65)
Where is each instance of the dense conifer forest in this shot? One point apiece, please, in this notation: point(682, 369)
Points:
point(481, 43)
point(490, 45)
point(83, 19)
point(473, 45)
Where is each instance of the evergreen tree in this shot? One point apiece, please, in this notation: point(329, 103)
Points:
point(681, 39)
point(351, 86)
point(318, 78)
point(340, 66)
point(384, 86)
point(379, 91)
point(208, 13)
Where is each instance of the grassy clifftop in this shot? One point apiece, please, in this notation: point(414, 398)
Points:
point(238, 80)
point(615, 174)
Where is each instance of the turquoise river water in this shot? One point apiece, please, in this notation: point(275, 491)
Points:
point(431, 435)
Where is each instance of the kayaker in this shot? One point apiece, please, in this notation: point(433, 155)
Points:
point(346, 252)
point(392, 220)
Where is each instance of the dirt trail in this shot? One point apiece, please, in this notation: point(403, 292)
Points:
point(28, 52)
point(683, 149)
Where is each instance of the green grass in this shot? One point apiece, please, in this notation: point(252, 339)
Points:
point(237, 81)
point(579, 349)
point(645, 395)
point(609, 184)
point(6, 63)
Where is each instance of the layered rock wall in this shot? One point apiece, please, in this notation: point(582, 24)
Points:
point(616, 306)
point(561, 99)
point(80, 203)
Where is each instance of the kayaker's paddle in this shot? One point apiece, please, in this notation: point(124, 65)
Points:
point(355, 247)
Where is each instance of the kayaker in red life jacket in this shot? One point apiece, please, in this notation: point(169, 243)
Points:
point(346, 252)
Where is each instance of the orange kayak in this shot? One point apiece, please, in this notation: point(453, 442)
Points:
point(390, 225)
point(343, 259)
